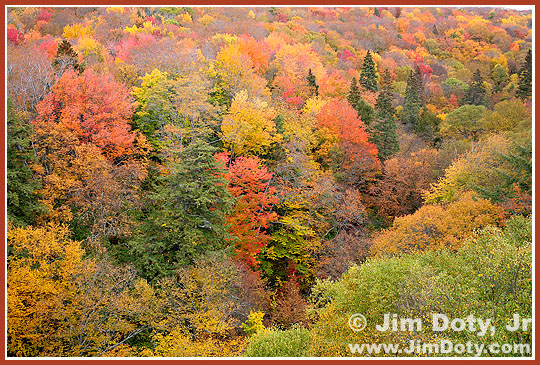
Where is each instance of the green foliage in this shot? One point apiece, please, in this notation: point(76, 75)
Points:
point(476, 93)
point(294, 342)
point(463, 122)
point(414, 99)
point(66, 58)
point(368, 74)
point(428, 127)
point(187, 213)
point(524, 90)
point(490, 277)
point(364, 110)
point(312, 83)
point(382, 131)
point(22, 200)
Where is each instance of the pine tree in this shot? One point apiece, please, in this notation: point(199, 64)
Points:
point(364, 110)
point(22, 201)
point(377, 12)
point(524, 90)
point(476, 94)
point(312, 83)
point(368, 75)
point(382, 130)
point(187, 213)
point(414, 99)
point(66, 57)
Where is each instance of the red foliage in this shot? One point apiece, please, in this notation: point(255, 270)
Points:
point(44, 15)
point(14, 36)
point(342, 120)
point(249, 184)
point(93, 107)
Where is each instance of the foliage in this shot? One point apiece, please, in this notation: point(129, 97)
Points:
point(293, 342)
point(187, 213)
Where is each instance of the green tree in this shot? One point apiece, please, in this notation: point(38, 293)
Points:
point(368, 75)
point(22, 201)
point(312, 83)
point(66, 57)
point(476, 94)
point(364, 110)
point(382, 131)
point(187, 213)
point(524, 90)
point(463, 122)
point(414, 99)
point(428, 126)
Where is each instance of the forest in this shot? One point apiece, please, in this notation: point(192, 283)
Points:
point(240, 181)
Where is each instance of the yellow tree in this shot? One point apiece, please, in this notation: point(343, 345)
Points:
point(249, 127)
point(435, 227)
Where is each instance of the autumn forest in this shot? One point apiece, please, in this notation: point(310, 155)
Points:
point(234, 181)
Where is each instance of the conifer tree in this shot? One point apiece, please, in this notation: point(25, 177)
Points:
point(66, 57)
point(22, 201)
point(364, 110)
point(368, 75)
point(476, 94)
point(414, 99)
point(382, 130)
point(524, 90)
point(186, 214)
point(312, 83)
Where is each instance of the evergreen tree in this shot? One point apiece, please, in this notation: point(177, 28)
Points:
point(377, 12)
point(66, 57)
point(524, 90)
point(186, 215)
point(435, 30)
point(414, 99)
point(368, 76)
point(382, 132)
point(312, 83)
point(476, 94)
point(22, 201)
point(364, 110)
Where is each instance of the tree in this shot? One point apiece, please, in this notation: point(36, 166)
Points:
point(368, 75)
point(414, 99)
point(251, 216)
point(249, 127)
point(364, 110)
point(66, 58)
point(166, 104)
point(22, 187)
point(463, 122)
point(405, 178)
point(63, 304)
point(186, 214)
point(524, 90)
point(344, 143)
point(476, 94)
point(382, 131)
point(427, 127)
point(91, 108)
point(312, 83)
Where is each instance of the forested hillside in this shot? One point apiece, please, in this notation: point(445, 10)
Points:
point(240, 181)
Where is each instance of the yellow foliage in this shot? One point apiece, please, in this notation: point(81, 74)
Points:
point(77, 31)
point(249, 127)
point(185, 18)
point(207, 20)
point(435, 227)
